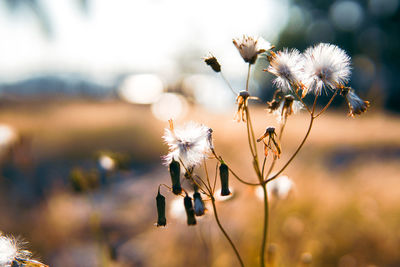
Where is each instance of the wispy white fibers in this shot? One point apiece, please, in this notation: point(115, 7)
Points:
point(287, 66)
point(189, 143)
point(8, 250)
point(325, 66)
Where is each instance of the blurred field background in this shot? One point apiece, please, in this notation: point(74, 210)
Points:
point(87, 87)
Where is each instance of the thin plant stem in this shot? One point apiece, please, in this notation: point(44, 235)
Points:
point(328, 104)
point(252, 134)
point(265, 226)
point(224, 232)
point(241, 180)
point(208, 179)
point(248, 134)
point(229, 85)
point(219, 158)
point(314, 104)
point(295, 153)
point(263, 166)
point(215, 178)
point(301, 100)
point(248, 78)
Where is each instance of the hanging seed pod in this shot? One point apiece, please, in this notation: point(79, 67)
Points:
point(175, 171)
point(224, 176)
point(213, 63)
point(187, 201)
point(160, 200)
point(198, 204)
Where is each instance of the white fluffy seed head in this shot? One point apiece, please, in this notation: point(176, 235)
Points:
point(8, 250)
point(326, 66)
point(249, 47)
point(189, 143)
point(287, 66)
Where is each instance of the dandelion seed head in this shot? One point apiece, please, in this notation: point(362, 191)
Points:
point(189, 143)
point(250, 47)
point(326, 66)
point(287, 66)
point(8, 250)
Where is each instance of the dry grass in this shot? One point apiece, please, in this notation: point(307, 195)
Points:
point(344, 210)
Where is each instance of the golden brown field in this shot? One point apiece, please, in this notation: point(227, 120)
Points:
point(344, 211)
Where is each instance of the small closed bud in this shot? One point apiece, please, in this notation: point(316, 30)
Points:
point(175, 171)
point(224, 176)
point(160, 200)
point(198, 204)
point(191, 219)
point(213, 63)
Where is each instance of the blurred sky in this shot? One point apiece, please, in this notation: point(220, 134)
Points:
point(119, 36)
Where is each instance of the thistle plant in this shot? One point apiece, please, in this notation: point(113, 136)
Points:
point(321, 69)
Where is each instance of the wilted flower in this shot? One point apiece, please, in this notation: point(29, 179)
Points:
point(355, 103)
point(250, 47)
point(287, 67)
point(213, 63)
point(242, 101)
point(272, 143)
point(287, 106)
point(325, 66)
point(189, 144)
point(280, 187)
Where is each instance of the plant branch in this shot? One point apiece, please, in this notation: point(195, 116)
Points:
point(224, 232)
point(295, 153)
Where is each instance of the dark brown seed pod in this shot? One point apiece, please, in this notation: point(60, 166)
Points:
point(191, 219)
point(160, 200)
point(175, 171)
point(224, 176)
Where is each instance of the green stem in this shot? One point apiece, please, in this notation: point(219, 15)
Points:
point(265, 226)
point(224, 232)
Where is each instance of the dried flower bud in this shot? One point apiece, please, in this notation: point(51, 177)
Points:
point(160, 200)
point(357, 106)
point(272, 143)
point(175, 171)
point(213, 63)
point(274, 104)
point(241, 101)
point(191, 219)
point(198, 204)
point(224, 176)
